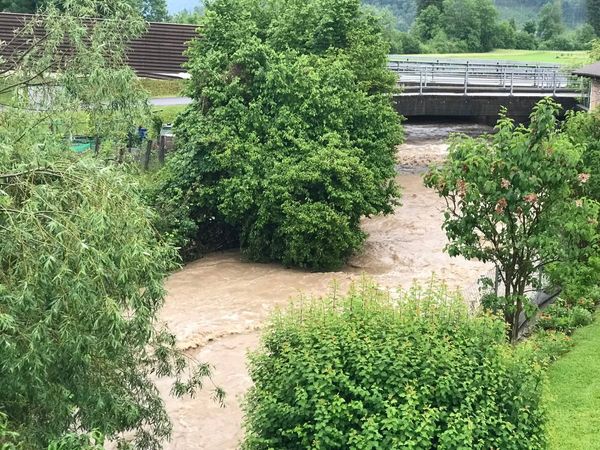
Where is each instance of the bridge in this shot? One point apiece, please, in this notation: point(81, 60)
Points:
point(429, 87)
point(479, 89)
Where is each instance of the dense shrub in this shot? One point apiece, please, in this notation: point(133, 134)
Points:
point(549, 345)
point(564, 317)
point(581, 279)
point(291, 136)
point(365, 371)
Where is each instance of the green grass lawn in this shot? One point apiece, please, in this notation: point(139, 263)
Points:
point(168, 113)
point(163, 88)
point(570, 59)
point(573, 394)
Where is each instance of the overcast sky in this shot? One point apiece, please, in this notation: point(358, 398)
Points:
point(178, 5)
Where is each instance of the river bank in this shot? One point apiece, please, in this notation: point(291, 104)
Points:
point(217, 305)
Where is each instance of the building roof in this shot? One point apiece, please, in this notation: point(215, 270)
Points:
point(156, 54)
point(592, 70)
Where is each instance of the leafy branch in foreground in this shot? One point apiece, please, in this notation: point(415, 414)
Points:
point(81, 266)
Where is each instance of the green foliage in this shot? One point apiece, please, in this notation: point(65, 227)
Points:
point(81, 266)
point(595, 50)
point(152, 10)
point(97, 90)
point(428, 23)
point(462, 26)
point(511, 200)
point(550, 23)
point(560, 316)
point(403, 11)
point(549, 345)
point(581, 278)
point(364, 371)
point(192, 17)
point(291, 137)
point(593, 9)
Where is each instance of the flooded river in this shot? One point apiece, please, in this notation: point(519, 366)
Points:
point(216, 305)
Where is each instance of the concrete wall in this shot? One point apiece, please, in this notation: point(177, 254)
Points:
point(595, 94)
point(483, 108)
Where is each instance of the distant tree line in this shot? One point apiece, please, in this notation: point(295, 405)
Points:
point(152, 10)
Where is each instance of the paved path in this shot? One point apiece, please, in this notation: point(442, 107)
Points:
point(170, 101)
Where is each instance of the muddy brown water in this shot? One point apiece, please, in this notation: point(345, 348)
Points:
point(216, 305)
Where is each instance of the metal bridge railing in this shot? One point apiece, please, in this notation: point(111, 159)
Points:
point(431, 76)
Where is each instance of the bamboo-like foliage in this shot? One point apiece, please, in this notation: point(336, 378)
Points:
point(81, 267)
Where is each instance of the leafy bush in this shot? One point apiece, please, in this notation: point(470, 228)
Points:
point(581, 279)
point(513, 200)
point(365, 371)
point(563, 317)
point(549, 345)
point(291, 136)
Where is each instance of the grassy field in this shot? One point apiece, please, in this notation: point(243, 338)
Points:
point(168, 113)
point(573, 394)
point(163, 88)
point(570, 59)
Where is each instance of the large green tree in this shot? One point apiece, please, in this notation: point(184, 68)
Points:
point(470, 21)
point(424, 4)
point(550, 23)
point(81, 266)
point(291, 137)
point(512, 201)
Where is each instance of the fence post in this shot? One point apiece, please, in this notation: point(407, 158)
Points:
point(147, 155)
point(512, 85)
point(161, 150)
point(96, 145)
point(421, 82)
point(554, 83)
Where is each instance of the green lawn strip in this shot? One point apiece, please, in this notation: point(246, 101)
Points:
point(567, 58)
point(168, 113)
point(573, 394)
point(163, 88)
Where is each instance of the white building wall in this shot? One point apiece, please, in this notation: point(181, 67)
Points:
point(595, 94)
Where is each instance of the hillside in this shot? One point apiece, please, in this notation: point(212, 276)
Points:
point(574, 11)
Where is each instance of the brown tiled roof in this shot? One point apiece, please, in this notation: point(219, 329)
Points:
point(593, 70)
point(156, 54)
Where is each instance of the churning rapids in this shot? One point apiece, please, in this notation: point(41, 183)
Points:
point(216, 305)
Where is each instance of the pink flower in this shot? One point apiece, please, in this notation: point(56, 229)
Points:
point(501, 205)
point(531, 198)
point(583, 177)
point(505, 183)
point(462, 188)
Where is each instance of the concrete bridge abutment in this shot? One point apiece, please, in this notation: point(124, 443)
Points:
point(477, 107)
